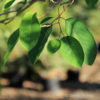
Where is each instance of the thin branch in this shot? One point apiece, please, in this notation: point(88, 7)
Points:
point(63, 11)
point(7, 12)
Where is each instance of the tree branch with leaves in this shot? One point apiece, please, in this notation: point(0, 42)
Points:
point(77, 46)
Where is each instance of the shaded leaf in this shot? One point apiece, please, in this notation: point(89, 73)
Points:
point(91, 3)
point(72, 51)
point(36, 51)
point(11, 44)
point(79, 31)
point(29, 31)
point(8, 4)
point(46, 19)
point(53, 45)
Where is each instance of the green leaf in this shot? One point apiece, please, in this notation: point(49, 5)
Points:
point(29, 31)
point(53, 45)
point(91, 3)
point(36, 51)
point(11, 44)
point(79, 31)
point(8, 4)
point(45, 20)
point(72, 51)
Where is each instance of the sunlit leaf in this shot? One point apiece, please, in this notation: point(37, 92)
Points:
point(53, 45)
point(79, 31)
point(11, 44)
point(36, 51)
point(29, 31)
point(72, 51)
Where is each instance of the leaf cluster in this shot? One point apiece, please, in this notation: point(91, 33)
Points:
point(77, 47)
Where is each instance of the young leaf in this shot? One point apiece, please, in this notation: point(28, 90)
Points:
point(8, 4)
point(29, 31)
point(53, 45)
point(91, 3)
point(72, 51)
point(36, 51)
point(11, 43)
point(79, 31)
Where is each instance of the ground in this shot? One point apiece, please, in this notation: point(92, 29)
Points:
point(86, 88)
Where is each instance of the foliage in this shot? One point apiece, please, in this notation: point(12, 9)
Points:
point(11, 44)
point(35, 52)
point(79, 31)
point(8, 4)
point(77, 46)
point(72, 51)
point(53, 45)
point(29, 31)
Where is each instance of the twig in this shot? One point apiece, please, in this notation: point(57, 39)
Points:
point(7, 13)
point(46, 25)
point(46, 12)
point(59, 21)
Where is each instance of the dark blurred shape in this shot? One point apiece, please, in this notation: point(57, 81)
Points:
point(73, 76)
point(98, 47)
point(73, 82)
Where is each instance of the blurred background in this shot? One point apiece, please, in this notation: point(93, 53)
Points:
point(51, 78)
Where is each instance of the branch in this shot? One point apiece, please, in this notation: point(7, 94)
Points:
point(18, 11)
point(70, 2)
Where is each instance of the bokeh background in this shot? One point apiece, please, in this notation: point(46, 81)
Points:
point(51, 78)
